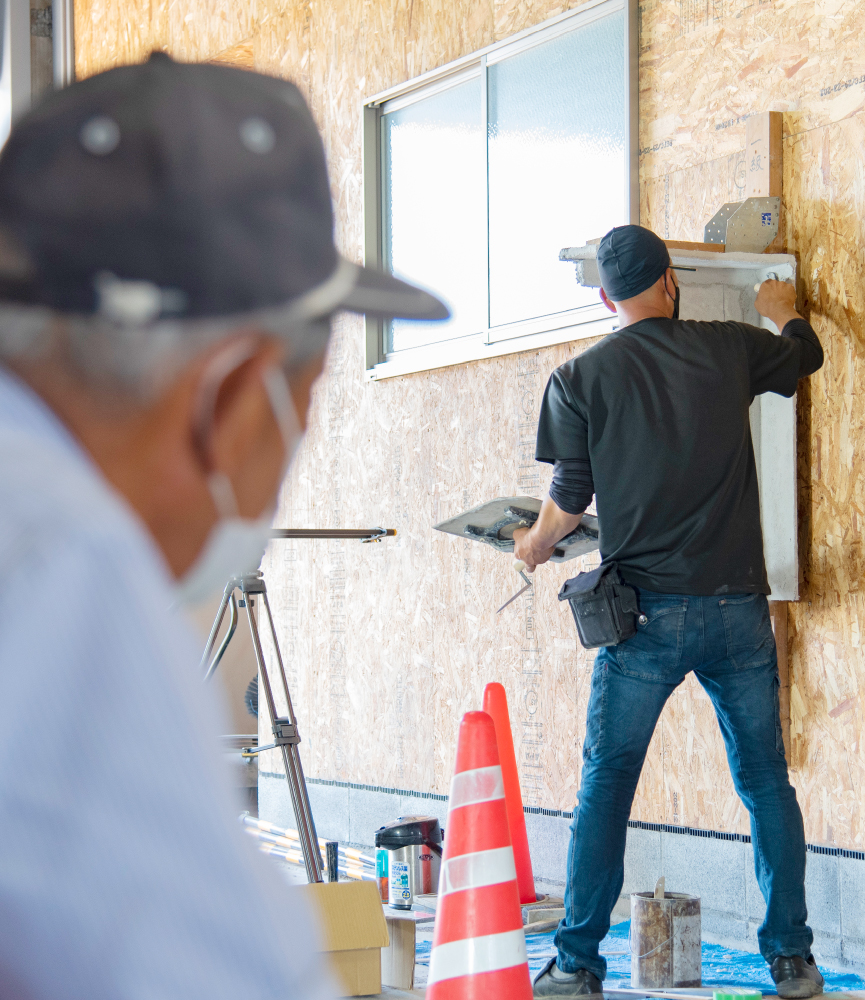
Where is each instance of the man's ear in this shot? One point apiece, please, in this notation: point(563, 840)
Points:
point(608, 302)
point(231, 401)
point(300, 382)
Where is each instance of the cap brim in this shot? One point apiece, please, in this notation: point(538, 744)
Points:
point(378, 294)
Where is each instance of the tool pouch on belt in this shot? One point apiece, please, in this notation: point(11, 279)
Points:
point(605, 608)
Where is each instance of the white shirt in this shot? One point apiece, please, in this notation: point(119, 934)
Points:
point(123, 870)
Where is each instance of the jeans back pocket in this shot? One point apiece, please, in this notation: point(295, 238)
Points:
point(748, 630)
point(655, 652)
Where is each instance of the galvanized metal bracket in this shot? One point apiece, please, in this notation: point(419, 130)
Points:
point(753, 226)
point(747, 226)
point(715, 230)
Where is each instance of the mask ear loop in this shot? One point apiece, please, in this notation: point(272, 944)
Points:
point(226, 361)
point(222, 494)
point(667, 290)
point(284, 410)
point(673, 297)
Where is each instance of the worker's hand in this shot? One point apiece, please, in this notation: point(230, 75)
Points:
point(525, 549)
point(776, 300)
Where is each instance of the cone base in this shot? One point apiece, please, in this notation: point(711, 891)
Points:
point(503, 984)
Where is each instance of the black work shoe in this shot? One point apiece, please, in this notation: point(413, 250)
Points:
point(552, 982)
point(795, 977)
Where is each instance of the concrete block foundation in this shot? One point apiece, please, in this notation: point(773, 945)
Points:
point(717, 867)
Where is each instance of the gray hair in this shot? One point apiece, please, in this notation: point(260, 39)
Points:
point(139, 359)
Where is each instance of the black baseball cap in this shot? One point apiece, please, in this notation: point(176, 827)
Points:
point(630, 260)
point(205, 184)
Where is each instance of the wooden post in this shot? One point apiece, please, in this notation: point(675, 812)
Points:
point(763, 152)
point(778, 613)
point(397, 959)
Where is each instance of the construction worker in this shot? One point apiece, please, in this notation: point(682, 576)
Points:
point(653, 421)
point(167, 279)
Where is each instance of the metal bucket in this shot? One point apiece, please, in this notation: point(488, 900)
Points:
point(665, 941)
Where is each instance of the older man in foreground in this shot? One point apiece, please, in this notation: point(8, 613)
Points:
point(167, 277)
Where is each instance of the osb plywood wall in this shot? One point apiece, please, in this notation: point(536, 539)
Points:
point(704, 67)
point(387, 645)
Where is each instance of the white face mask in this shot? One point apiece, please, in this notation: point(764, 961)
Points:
point(236, 544)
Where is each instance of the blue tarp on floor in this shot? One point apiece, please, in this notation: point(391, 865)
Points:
point(721, 966)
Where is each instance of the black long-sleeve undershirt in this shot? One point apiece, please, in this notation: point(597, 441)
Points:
point(572, 487)
point(810, 349)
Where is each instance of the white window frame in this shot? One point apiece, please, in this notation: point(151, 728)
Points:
point(543, 331)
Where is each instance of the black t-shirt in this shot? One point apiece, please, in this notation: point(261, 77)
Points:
point(660, 410)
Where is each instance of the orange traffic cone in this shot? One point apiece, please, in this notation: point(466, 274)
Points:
point(479, 947)
point(496, 706)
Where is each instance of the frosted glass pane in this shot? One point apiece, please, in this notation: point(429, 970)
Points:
point(556, 165)
point(434, 210)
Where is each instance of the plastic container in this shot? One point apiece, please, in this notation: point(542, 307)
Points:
point(381, 875)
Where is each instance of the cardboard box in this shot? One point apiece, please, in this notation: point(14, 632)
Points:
point(354, 932)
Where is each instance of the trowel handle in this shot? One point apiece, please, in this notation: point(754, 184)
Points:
point(520, 566)
point(770, 276)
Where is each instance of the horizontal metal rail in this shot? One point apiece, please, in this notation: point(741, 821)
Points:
point(364, 534)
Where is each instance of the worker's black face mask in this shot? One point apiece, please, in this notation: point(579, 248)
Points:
point(675, 301)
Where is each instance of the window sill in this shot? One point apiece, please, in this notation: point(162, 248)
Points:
point(581, 324)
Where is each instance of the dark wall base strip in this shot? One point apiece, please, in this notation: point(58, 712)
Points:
point(634, 824)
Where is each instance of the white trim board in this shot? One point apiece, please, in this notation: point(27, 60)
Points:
point(721, 287)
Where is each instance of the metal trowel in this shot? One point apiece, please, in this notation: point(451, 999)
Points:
point(519, 566)
point(494, 523)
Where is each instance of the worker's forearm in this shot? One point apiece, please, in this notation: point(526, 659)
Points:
point(551, 526)
point(781, 316)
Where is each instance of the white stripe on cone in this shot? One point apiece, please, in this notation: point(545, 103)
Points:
point(483, 784)
point(475, 955)
point(472, 871)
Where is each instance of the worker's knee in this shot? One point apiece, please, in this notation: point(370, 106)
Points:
point(763, 779)
point(611, 769)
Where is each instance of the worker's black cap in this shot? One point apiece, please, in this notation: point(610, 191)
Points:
point(630, 260)
point(204, 183)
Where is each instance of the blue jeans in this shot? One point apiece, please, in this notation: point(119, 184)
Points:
point(728, 642)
